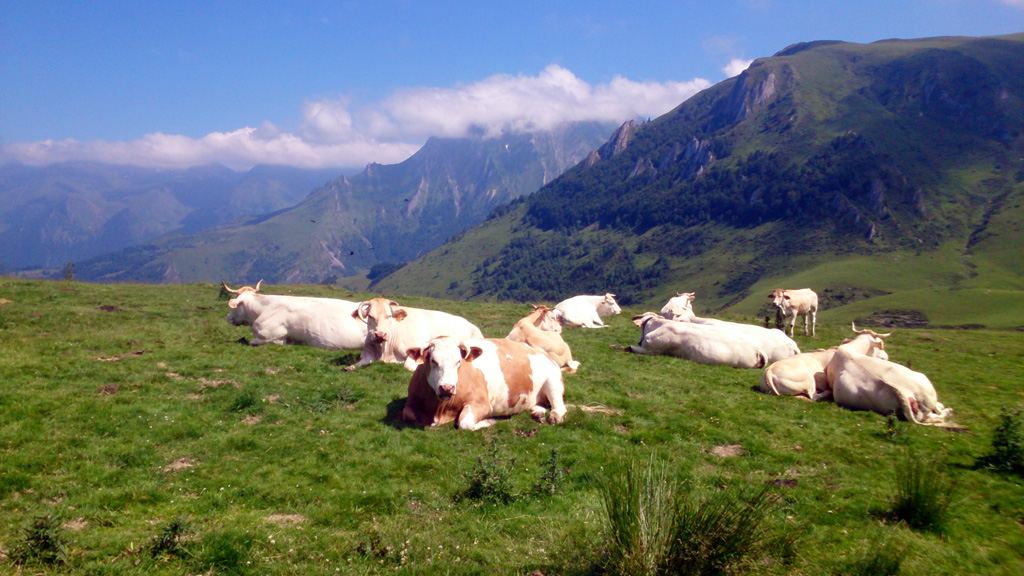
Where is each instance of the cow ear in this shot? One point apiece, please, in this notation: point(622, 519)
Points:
point(399, 314)
point(233, 303)
point(416, 355)
point(361, 311)
point(472, 353)
point(785, 297)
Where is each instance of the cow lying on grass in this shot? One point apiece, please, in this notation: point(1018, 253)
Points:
point(319, 322)
point(528, 331)
point(471, 382)
point(701, 343)
point(804, 375)
point(392, 330)
point(586, 311)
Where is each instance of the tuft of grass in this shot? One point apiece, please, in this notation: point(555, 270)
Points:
point(226, 552)
point(894, 430)
point(882, 557)
point(248, 402)
point(43, 542)
point(714, 535)
point(925, 494)
point(639, 504)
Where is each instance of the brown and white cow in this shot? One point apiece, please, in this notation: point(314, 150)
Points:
point(701, 343)
point(391, 330)
point(277, 319)
point(804, 375)
point(794, 303)
point(471, 382)
point(861, 382)
point(528, 331)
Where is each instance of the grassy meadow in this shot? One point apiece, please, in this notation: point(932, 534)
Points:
point(138, 436)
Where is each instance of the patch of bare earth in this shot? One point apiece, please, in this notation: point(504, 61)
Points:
point(110, 389)
point(285, 519)
point(5, 301)
point(273, 398)
point(179, 464)
point(252, 420)
point(76, 525)
point(218, 382)
point(727, 450)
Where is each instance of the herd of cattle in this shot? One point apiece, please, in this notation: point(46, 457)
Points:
point(460, 376)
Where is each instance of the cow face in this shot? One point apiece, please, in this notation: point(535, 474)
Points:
point(380, 314)
point(679, 307)
point(608, 306)
point(443, 357)
point(778, 297)
point(239, 314)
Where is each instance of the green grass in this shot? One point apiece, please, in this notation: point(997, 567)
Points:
point(130, 412)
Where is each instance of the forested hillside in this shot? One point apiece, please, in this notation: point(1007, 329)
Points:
point(824, 152)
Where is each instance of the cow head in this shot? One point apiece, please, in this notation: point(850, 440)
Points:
point(876, 342)
point(379, 314)
point(778, 297)
point(545, 319)
point(443, 356)
point(680, 306)
point(608, 306)
point(239, 315)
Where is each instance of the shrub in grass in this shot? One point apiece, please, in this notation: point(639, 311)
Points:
point(172, 541)
point(490, 481)
point(924, 494)
point(43, 543)
point(551, 477)
point(640, 507)
point(1007, 444)
point(247, 402)
point(894, 430)
point(226, 552)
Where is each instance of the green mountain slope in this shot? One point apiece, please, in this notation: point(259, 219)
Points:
point(386, 214)
point(865, 171)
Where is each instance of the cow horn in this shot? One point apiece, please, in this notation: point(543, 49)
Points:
point(225, 285)
point(257, 289)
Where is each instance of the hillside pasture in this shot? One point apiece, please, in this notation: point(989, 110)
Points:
point(156, 443)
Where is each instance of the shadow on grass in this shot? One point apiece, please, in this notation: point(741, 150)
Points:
point(393, 416)
point(346, 359)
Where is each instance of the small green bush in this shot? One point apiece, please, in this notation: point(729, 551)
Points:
point(924, 494)
point(551, 477)
point(1007, 444)
point(172, 541)
point(490, 481)
point(43, 543)
point(882, 557)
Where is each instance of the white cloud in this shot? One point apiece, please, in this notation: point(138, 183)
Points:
point(1014, 3)
point(735, 66)
point(335, 133)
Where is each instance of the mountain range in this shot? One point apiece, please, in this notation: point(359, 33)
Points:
point(890, 172)
point(382, 217)
point(69, 212)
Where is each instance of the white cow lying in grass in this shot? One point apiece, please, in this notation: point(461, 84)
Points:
point(804, 375)
point(586, 311)
point(276, 319)
point(861, 382)
point(775, 344)
point(704, 344)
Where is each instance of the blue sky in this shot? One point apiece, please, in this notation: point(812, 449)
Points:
point(341, 84)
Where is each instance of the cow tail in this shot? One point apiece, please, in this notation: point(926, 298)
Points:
point(908, 409)
point(768, 377)
point(762, 358)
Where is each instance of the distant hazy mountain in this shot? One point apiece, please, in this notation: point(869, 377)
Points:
point(69, 212)
point(823, 152)
point(385, 214)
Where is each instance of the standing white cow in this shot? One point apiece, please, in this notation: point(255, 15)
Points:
point(277, 319)
point(861, 382)
point(472, 381)
point(699, 343)
point(804, 375)
point(794, 303)
point(586, 311)
point(392, 330)
point(679, 307)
